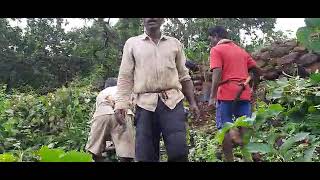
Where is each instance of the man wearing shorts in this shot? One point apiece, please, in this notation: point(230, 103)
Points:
point(104, 127)
point(230, 65)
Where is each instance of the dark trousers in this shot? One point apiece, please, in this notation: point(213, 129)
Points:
point(150, 125)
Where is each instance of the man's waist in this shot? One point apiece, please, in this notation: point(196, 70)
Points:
point(103, 109)
point(156, 90)
point(233, 80)
point(231, 92)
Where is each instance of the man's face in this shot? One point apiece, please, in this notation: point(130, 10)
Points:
point(152, 23)
point(213, 40)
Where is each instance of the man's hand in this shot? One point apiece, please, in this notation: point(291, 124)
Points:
point(187, 90)
point(120, 116)
point(195, 111)
point(212, 104)
point(216, 79)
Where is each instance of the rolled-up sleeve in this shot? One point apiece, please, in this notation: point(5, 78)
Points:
point(215, 59)
point(183, 71)
point(125, 78)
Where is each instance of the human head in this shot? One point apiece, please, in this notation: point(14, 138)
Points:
point(192, 65)
point(152, 24)
point(216, 34)
point(110, 82)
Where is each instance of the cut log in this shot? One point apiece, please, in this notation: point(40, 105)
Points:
point(265, 56)
point(290, 58)
point(271, 75)
point(313, 67)
point(273, 61)
point(299, 49)
point(292, 44)
point(277, 52)
point(261, 63)
point(264, 49)
point(256, 56)
point(307, 59)
point(268, 68)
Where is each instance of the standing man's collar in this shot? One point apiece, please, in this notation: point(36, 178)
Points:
point(145, 36)
point(223, 41)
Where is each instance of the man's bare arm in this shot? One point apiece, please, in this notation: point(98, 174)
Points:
point(216, 78)
point(124, 85)
point(186, 82)
point(187, 90)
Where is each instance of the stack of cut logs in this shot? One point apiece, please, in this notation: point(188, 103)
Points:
point(286, 58)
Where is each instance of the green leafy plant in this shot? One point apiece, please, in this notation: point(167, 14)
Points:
point(309, 35)
point(204, 148)
point(58, 155)
point(7, 157)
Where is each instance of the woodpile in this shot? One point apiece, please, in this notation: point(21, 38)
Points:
point(286, 58)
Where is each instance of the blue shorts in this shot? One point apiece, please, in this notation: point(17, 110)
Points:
point(227, 112)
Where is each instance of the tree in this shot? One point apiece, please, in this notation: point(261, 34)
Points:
point(192, 30)
point(126, 28)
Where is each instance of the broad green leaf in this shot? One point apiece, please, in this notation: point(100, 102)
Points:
point(275, 109)
point(50, 155)
point(303, 35)
point(315, 43)
point(7, 157)
point(272, 138)
point(276, 94)
point(261, 117)
point(74, 156)
point(282, 81)
point(247, 136)
point(243, 122)
point(310, 38)
point(289, 142)
point(258, 148)
point(308, 154)
point(288, 155)
point(221, 133)
point(246, 154)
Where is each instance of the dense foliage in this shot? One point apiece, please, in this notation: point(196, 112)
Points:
point(50, 78)
point(284, 129)
point(309, 35)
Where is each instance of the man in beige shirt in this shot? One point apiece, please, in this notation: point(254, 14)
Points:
point(104, 127)
point(153, 67)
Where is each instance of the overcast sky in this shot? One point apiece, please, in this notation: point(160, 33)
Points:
point(284, 24)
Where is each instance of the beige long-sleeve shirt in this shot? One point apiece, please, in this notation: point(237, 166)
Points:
point(148, 68)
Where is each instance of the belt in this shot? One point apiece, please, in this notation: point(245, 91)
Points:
point(241, 84)
point(163, 93)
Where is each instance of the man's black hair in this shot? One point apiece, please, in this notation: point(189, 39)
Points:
point(110, 82)
point(191, 65)
point(218, 31)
